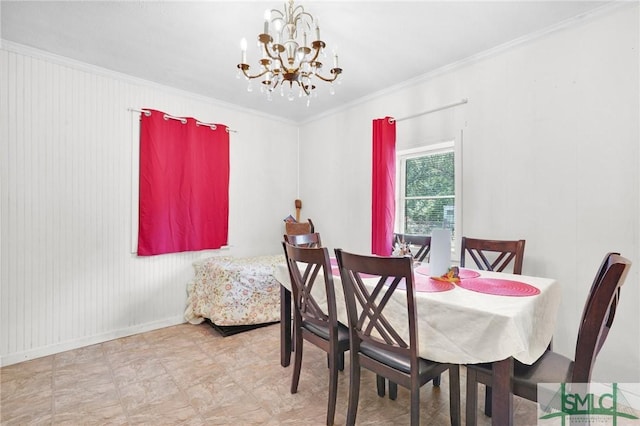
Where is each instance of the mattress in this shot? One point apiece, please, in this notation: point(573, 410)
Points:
point(232, 291)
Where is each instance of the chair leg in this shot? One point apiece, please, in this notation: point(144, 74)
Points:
point(380, 384)
point(285, 327)
point(393, 390)
point(333, 387)
point(297, 364)
point(454, 395)
point(415, 405)
point(436, 381)
point(472, 398)
point(487, 401)
point(354, 390)
point(340, 363)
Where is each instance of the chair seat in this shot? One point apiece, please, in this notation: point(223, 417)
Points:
point(551, 367)
point(399, 362)
point(343, 331)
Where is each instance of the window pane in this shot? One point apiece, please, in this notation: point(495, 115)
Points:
point(423, 215)
point(431, 175)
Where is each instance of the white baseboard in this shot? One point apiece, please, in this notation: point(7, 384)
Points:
point(87, 341)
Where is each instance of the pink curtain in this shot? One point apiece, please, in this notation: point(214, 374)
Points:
point(383, 178)
point(184, 185)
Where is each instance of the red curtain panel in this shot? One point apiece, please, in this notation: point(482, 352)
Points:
point(184, 185)
point(383, 206)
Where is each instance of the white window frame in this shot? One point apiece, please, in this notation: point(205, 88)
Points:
point(402, 156)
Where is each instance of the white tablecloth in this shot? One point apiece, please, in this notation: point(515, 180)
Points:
point(466, 327)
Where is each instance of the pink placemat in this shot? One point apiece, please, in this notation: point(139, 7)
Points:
point(499, 287)
point(462, 273)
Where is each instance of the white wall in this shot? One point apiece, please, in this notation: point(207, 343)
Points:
point(68, 153)
point(550, 154)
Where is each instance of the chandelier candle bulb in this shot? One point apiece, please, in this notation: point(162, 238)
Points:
point(267, 16)
point(243, 48)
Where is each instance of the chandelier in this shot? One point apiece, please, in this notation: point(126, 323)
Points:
point(290, 49)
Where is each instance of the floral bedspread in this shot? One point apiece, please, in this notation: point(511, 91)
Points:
point(234, 291)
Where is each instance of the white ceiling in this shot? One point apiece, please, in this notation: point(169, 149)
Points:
point(195, 46)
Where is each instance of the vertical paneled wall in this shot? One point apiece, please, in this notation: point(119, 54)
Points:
point(68, 277)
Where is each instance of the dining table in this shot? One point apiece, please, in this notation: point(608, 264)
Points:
point(484, 317)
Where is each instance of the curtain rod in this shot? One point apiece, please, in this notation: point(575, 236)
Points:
point(461, 102)
point(180, 119)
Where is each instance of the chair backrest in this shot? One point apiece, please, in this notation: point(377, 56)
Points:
point(297, 228)
point(596, 281)
point(304, 240)
point(367, 299)
point(598, 314)
point(309, 268)
point(493, 255)
point(421, 244)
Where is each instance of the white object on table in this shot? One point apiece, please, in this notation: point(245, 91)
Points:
point(440, 259)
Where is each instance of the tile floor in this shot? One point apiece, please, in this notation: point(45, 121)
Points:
point(190, 375)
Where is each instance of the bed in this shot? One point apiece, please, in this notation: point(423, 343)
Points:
point(231, 292)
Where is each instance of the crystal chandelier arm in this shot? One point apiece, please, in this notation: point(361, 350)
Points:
point(245, 69)
point(299, 17)
point(274, 56)
point(265, 40)
point(317, 45)
point(335, 71)
point(278, 12)
point(277, 58)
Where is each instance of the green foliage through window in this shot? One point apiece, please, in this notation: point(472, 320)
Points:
point(429, 198)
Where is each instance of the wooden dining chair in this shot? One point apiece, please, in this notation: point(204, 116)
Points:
point(376, 344)
point(299, 240)
point(597, 318)
point(304, 240)
point(493, 255)
point(309, 267)
point(420, 244)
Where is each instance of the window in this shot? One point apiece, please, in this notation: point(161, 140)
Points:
point(426, 189)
